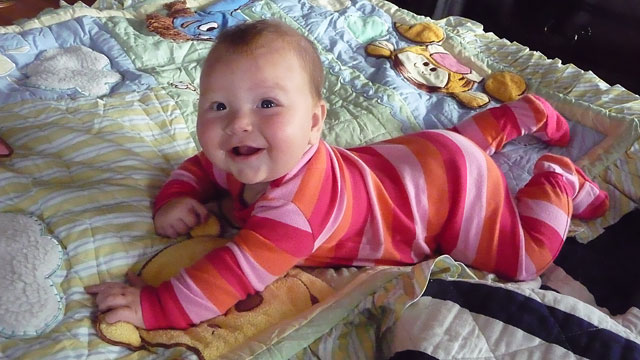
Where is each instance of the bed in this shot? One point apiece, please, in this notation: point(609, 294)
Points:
point(98, 108)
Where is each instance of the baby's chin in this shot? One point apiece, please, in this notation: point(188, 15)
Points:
point(249, 177)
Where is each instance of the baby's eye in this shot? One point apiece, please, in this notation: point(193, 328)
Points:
point(267, 104)
point(218, 106)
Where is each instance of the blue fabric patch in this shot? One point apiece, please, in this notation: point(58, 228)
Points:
point(206, 24)
point(87, 31)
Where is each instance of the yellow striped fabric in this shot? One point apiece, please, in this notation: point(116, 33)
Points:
point(89, 169)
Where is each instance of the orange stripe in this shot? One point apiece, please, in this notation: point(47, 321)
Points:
point(490, 128)
point(539, 114)
point(219, 292)
point(311, 184)
point(327, 248)
point(487, 249)
point(270, 257)
point(385, 207)
point(538, 252)
point(545, 192)
point(433, 170)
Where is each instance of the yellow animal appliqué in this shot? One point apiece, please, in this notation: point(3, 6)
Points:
point(429, 66)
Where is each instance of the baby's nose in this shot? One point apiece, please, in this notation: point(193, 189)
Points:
point(239, 122)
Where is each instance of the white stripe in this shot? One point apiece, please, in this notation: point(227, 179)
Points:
point(585, 197)
point(410, 170)
point(372, 244)
point(545, 212)
point(470, 130)
point(257, 276)
point(284, 212)
point(569, 178)
point(475, 198)
point(445, 330)
point(341, 202)
point(194, 302)
point(525, 116)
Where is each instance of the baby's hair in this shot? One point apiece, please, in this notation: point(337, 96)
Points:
point(247, 37)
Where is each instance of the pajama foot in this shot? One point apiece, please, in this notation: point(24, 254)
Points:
point(589, 201)
point(555, 130)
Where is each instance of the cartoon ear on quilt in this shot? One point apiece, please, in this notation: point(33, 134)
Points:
point(5, 149)
point(283, 299)
point(183, 24)
point(431, 68)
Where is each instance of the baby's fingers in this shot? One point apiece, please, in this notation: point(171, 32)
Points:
point(97, 288)
point(124, 314)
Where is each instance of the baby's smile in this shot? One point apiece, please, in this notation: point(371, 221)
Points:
point(245, 150)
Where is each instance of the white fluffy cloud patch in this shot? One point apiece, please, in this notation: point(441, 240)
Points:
point(29, 301)
point(75, 67)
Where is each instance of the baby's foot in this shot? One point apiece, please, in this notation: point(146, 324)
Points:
point(590, 202)
point(555, 130)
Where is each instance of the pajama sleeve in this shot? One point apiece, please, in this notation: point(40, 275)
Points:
point(275, 238)
point(193, 178)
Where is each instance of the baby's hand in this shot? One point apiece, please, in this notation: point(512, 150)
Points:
point(178, 216)
point(120, 301)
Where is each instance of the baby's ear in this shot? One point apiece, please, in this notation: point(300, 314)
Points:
point(317, 122)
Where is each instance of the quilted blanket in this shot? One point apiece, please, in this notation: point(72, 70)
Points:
point(98, 105)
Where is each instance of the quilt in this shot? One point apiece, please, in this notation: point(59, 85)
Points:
point(98, 105)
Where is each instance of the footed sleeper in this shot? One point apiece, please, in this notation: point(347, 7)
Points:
point(395, 202)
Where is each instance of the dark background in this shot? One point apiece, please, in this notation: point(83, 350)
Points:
point(598, 35)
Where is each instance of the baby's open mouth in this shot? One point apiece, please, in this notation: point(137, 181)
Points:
point(244, 150)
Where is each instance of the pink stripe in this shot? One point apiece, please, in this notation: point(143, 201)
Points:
point(470, 130)
point(193, 301)
point(525, 116)
point(475, 201)
point(525, 264)
point(185, 176)
point(287, 193)
point(372, 245)
point(373, 237)
point(341, 203)
point(305, 158)
point(527, 270)
point(585, 196)
point(414, 183)
point(282, 211)
point(545, 212)
point(570, 178)
point(258, 277)
point(457, 181)
point(221, 177)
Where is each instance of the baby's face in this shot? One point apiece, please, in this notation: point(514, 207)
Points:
point(256, 115)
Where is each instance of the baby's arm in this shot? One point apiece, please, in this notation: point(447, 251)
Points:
point(275, 238)
point(178, 207)
point(121, 302)
point(178, 216)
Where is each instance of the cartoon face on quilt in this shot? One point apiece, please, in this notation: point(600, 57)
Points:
point(430, 67)
point(199, 25)
point(203, 26)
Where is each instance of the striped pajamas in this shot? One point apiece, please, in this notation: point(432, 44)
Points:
point(396, 202)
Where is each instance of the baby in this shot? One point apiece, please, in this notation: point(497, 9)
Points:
point(301, 201)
